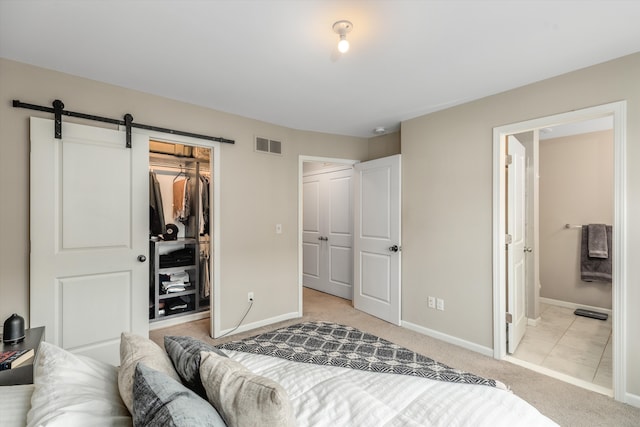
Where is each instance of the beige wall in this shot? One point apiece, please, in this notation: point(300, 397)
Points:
point(384, 145)
point(258, 190)
point(447, 199)
point(576, 187)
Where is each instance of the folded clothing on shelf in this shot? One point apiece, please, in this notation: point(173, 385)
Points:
point(178, 258)
point(174, 282)
point(177, 305)
point(181, 276)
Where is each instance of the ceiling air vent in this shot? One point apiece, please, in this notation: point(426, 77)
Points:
point(265, 145)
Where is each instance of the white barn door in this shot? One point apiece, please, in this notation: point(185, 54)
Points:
point(377, 238)
point(89, 237)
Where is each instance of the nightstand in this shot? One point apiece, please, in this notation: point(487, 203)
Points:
point(22, 374)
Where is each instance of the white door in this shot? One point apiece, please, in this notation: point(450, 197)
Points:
point(377, 238)
point(328, 232)
point(89, 234)
point(516, 275)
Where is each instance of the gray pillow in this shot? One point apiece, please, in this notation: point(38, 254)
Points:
point(242, 397)
point(159, 400)
point(184, 353)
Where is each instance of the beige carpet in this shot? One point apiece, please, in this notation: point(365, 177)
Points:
point(564, 403)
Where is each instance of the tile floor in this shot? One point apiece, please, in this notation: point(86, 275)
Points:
point(573, 345)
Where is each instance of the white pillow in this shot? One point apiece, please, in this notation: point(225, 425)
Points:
point(74, 390)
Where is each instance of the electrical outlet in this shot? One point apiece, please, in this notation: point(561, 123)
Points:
point(440, 304)
point(432, 302)
point(278, 228)
point(250, 297)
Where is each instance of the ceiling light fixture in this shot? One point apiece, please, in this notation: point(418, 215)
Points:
point(379, 130)
point(342, 28)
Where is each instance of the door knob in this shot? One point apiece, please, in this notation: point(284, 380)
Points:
point(528, 249)
point(394, 248)
point(142, 258)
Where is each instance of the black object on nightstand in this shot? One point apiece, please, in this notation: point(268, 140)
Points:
point(24, 373)
point(13, 329)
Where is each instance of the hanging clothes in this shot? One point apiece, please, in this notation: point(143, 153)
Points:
point(181, 200)
point(203, 210)
point(156, 210)
point(205, 278)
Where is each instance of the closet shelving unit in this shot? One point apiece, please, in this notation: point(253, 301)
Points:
point(191, 167)
point(192, 267)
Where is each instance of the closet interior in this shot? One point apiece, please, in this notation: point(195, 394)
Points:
point(180, 189)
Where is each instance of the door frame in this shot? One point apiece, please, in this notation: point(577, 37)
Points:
point(214, 306)
point(301, 161)
point(619, 112)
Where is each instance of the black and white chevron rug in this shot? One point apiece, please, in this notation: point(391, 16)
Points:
point(326, 343)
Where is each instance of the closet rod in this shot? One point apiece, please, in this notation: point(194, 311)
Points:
point(171, 166)
point(58, 110)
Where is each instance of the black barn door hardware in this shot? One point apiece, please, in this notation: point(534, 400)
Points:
point(59, 111)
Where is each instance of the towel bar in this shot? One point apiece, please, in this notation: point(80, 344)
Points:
point(572, 226)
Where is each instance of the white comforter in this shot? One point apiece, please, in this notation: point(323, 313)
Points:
point(334, 396)
point(320, 396)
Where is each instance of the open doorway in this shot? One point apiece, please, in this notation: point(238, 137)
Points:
point(553, 253)
point(375, 234)
point(327, 228)
point(176, 159)
point(570, 169)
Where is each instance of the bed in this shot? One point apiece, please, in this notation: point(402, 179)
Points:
point(309, 374)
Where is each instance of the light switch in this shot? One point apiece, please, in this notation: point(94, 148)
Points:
point(278, 228)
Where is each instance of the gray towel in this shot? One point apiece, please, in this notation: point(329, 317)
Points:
point(598, 247)
point(594, 269)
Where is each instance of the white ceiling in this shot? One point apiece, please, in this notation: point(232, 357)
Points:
point(277, 61)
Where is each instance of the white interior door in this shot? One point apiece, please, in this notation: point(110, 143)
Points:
point(377, 238)
point(89, 226)
point(328, 232)
point(516, 275)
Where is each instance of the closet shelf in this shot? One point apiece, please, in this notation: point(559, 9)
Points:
point(171, 161)
point(178, 269)
point(176, 294)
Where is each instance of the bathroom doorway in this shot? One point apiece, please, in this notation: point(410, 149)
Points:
point(545, 303)
point(572, 168)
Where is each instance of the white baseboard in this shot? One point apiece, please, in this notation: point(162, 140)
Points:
point(533, 322)
point(260, 323)
point(633, 400)
point(178, 320)
point(448, 338)
point(572, 305)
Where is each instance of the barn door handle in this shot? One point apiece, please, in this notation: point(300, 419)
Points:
point(394, 248)
point(142, 258)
